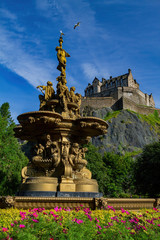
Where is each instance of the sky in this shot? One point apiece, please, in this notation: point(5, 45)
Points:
point(113, 36)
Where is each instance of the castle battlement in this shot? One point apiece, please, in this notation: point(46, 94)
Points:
point(118, 87)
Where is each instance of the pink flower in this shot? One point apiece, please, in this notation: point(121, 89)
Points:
point(45, 213)
point(89, 217)
point(123, 221)
point(22, 226)
point(110, 224)
point(127, 228)
point(124, 211)
point(150, 221)
point(35, 220)
point(57, 209)
point(34, 215)
point(87, 210)
point(137, 220)
point(98, 226)
point(115, 218)
point(12, 224)
point(155, 209)
point(79, 221)
point(8, 238)
point(145, 228)
point(110, 207)
point(158, 225)
point(96, 219)
point(64, 230)
point(127, 213)
point(4, 229)
point(22, 213)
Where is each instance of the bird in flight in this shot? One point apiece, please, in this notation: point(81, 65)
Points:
point(77, 25)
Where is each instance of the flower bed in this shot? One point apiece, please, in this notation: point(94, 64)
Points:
point(79, 224)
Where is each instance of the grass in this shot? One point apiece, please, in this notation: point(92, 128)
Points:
point(111, 115)
point(152, 119)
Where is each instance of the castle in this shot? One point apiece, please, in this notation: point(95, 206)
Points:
point(120, 92)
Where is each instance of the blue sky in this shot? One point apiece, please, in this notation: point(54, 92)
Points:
point(114, 35)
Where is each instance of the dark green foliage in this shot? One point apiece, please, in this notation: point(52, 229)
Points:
point(148, 171)
point(12, 159)
point(97, 167)
point(122, 176)
point(114, 173)
point(120, 171)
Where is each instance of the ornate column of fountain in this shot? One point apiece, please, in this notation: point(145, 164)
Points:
point(58, 165)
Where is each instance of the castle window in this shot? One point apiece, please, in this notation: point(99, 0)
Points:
point(114, 84)
point(119, 82)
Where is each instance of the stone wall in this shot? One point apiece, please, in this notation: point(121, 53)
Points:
point(122, 103)
point(136, 96)
point(128, 104)
point(97, 102)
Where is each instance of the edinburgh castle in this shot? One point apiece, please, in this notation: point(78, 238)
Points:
point(118, 93)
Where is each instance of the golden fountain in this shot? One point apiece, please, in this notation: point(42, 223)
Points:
point(58, 165)
point(57, 174)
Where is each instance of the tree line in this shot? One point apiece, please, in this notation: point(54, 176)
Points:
point(117, 175)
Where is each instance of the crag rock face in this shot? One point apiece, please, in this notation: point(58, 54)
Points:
point(126, 132)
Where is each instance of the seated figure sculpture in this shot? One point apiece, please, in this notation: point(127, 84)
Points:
point(76, 157)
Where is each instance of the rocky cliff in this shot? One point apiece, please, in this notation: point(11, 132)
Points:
point(127, 131)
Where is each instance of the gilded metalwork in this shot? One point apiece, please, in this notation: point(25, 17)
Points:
point(58, 131)
point(64, 202)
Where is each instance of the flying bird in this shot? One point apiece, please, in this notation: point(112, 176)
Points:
point(77, 25)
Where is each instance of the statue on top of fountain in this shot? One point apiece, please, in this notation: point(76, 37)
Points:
point(64, 101)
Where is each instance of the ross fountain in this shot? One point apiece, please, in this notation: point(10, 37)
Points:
point(57, 174)
point(58, 165)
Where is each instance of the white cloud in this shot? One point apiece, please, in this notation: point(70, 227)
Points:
point(69, 13)
point(6, 14)
point(13, 55)
point(16, 57)
point(89, 70)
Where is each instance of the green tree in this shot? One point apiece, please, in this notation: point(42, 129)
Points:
point(114, 173)
point(97, 167)
point(120, 171)
point(12, 159)
point(148, 171)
